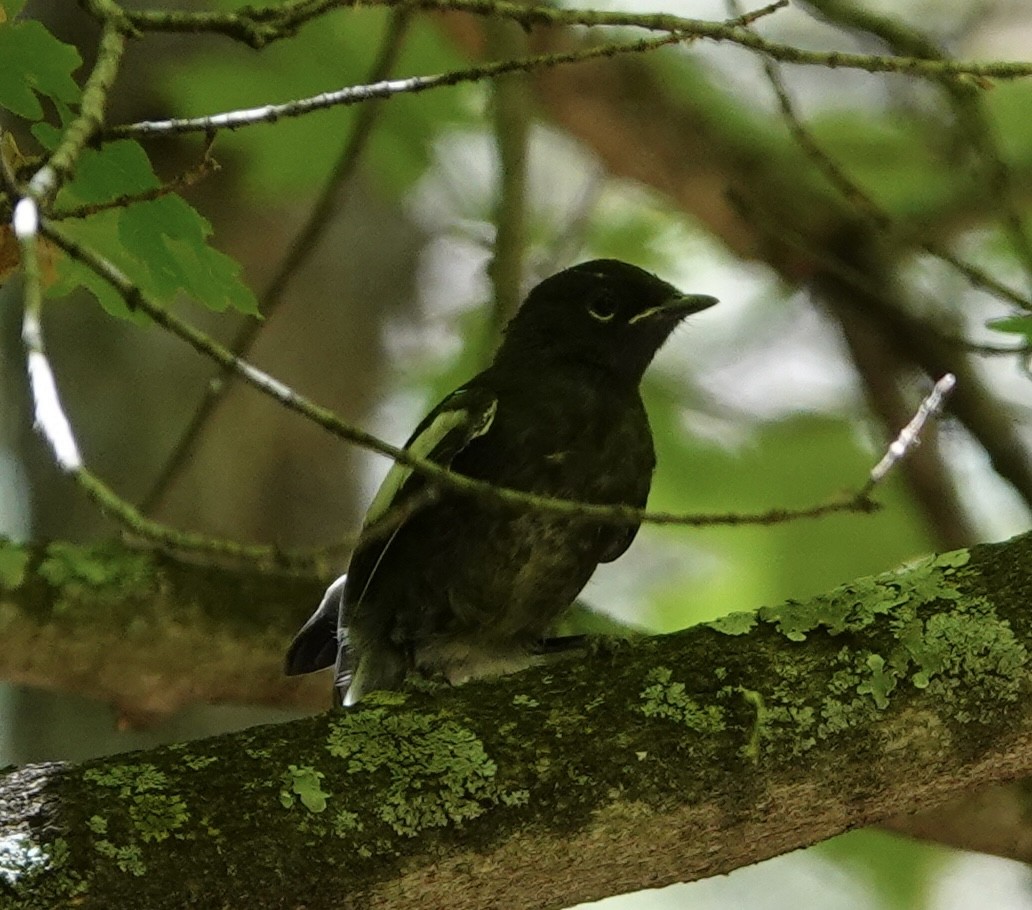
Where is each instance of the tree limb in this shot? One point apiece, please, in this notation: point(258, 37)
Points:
point(636, 766)
point(148, 633)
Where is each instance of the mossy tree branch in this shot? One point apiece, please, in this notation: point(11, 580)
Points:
point(150, 633)
point(666, 760)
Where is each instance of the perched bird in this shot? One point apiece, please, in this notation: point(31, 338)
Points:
point(463, 587)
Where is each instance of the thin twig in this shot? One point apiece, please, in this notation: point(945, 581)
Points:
point(56, 429)
point(864, 204)
point(967, 104)
point(260, 26)
point(207, 165)
point(909, 436)
point(49, 178)
point(387, 88)
point(50, 417)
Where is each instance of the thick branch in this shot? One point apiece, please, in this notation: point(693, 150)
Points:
point(641, 765)
point(148, 633)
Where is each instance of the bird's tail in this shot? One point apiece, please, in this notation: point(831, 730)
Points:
point(315, 646)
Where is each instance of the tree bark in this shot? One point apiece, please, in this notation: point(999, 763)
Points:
point(639, 765)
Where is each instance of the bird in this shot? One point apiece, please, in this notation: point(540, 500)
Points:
point(461, 587)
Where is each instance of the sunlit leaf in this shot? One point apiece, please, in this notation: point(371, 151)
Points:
point(161, 244)
point(34, 64)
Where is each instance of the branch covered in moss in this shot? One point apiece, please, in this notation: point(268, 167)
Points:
point(149, 633)
point(638, 765)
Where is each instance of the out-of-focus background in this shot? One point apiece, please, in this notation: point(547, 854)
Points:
point(838, 307)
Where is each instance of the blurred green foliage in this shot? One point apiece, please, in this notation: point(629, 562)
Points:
point(295, 154)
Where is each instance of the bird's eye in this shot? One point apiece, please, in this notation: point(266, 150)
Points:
point(602, 307)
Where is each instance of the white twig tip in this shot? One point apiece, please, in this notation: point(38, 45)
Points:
point(909, 436)
point(26, 218)
point(50, 417)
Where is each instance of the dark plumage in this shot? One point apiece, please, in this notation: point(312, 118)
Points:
point(463, 588)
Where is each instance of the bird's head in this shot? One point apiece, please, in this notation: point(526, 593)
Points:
point(605, 313)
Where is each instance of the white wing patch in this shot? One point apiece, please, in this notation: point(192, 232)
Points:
point(423, 446)
point(428, 442)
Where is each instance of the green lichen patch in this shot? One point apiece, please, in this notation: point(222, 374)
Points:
point(256, 753)
point(37, 874)
point(863, 602)
point(156, 816)
point(303, 784)
point(754, 699)
point(971, 660)
point(953, 647)
point(880, 683)
point(128, 779)
point(14, 560)
point(739, 623)
point(197, 762)
point(66, 563)
point(128, 859)
point(345, 822)
point(142, 812)
point(662, 697)
point(21, 857)
point(385, 698)
point(438, 770)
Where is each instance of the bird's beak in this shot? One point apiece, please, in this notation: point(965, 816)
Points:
point(678, 307)
point(687, 304)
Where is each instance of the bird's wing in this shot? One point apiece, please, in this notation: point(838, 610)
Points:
point(617, 539)
point(462, 417)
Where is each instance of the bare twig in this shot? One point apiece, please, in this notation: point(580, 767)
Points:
point(967, 104)
point(870, 210)
point(259, 26)
point(909, 436)
point(51, 420)
point(48, 179)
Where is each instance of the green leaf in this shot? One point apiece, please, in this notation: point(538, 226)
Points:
point(1016, 325)
point(34, 63)
point(160, 244)
point(46, 135)
point(99, 233)
point(117, 169)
